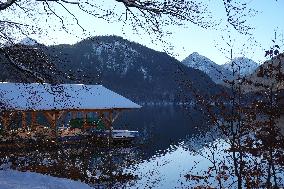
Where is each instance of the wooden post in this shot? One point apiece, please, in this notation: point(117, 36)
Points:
point(6, 123)
point(6, 120)
point(33, 119)
point(24, 120)
point(84, 120)
point(12, 116)
point(74, 115)
point(61, 116)
point(55, 119)
point(103, 118)
point(110, 119)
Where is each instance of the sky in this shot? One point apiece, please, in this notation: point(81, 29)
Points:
point(190, 38)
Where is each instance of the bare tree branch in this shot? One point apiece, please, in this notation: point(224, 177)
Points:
point(21, 67)
point(6, 4)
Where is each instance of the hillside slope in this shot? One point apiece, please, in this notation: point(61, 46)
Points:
point(133, 70)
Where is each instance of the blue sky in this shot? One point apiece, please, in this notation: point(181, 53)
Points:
point(191, 38)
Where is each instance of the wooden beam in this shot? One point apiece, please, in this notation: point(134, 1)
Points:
point(48, 116)
point(116, 116)
point(55, 115)
point(110, 117)
point(61, 116)
point(107, 117)
point(52, 118)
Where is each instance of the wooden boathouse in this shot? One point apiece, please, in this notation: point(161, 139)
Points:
point(28, 101)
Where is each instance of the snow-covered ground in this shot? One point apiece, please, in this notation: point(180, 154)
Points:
point(165, 170)
point(162, 171)
point(11, 179)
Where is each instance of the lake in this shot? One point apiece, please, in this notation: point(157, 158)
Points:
point(165, 157)
point(162, 126)
point(164, 132)
point(166, 152)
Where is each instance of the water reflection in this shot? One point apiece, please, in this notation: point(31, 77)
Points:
point(162, 126)
point(169, 170)
point(163, 129)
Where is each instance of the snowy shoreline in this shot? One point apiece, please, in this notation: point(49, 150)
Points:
point(12, 179)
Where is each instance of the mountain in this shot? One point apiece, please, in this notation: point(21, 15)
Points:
point(246, 65)
point(133, 70)
point(216, 72)
point(269, 74)
point(28, 42)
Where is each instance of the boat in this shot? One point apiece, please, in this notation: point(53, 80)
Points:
point(116, 135)
point(124, 135)
point(94, 128)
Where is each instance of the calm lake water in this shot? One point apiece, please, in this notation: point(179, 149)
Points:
point(161, 159)
point(166, 131)
point(174, 142)
point(162, 126)
point(180, 142)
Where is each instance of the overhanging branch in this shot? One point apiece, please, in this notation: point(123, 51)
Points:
point(7, 4)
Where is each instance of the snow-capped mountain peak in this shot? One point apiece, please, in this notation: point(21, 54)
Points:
point(28, 41)
point(197, 61)
point(216, 72)
point(246, 66)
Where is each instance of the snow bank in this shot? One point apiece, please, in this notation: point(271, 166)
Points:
point(11, 179)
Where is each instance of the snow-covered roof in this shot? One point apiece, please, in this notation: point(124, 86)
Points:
point(36, 96)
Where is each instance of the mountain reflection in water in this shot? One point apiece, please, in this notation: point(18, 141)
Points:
point(162, 126)
point(165, 157)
